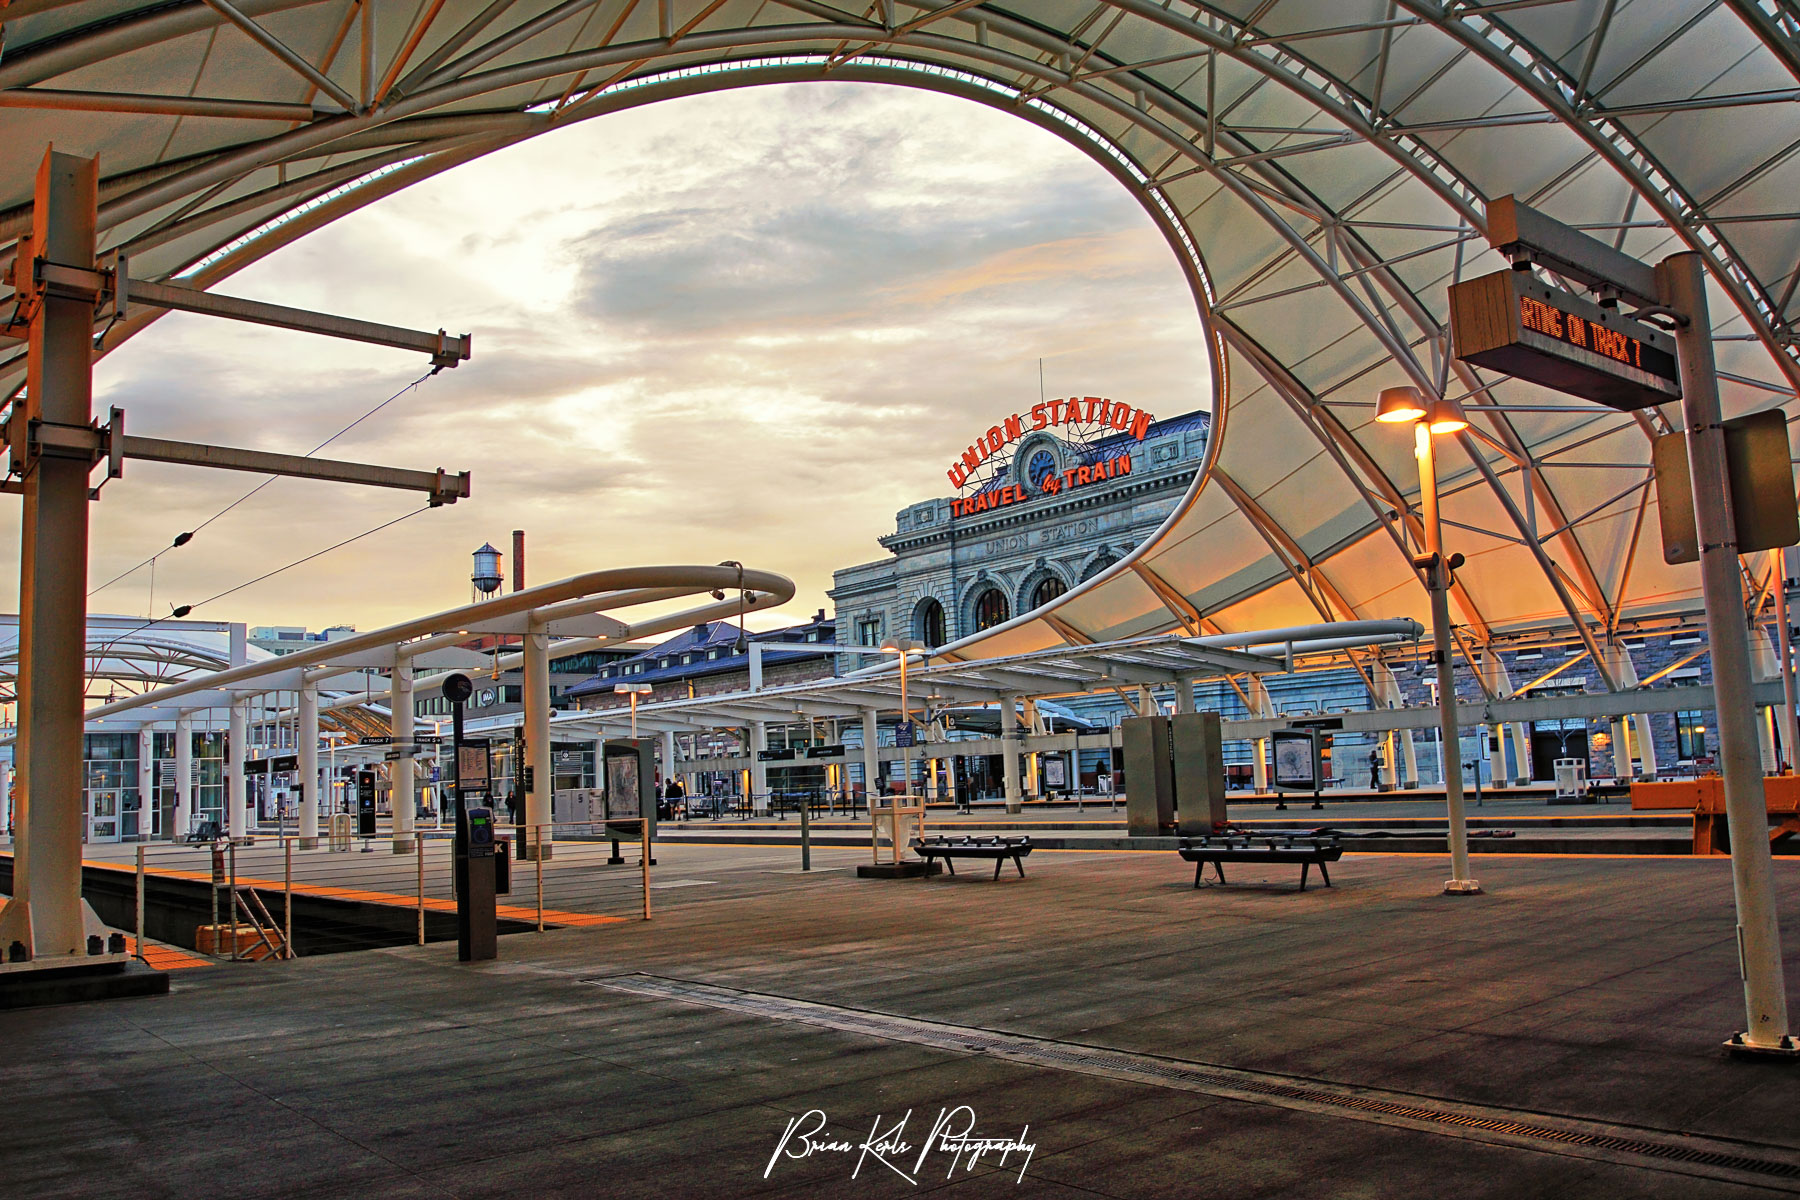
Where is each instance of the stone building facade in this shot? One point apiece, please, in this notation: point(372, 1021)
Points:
point(1052, 514)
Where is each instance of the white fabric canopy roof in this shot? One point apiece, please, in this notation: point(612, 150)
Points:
point(1320, 167)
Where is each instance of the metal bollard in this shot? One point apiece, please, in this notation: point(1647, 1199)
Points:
point(420, 846)
point(287, 898)
point(140, 904)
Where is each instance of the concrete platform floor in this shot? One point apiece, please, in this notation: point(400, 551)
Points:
point(1591, 988)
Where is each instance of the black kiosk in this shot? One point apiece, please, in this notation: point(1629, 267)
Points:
point(476, 936)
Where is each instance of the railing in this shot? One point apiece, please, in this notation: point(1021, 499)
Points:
point(270, 897)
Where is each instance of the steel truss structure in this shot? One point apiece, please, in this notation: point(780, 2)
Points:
point(1320, 170)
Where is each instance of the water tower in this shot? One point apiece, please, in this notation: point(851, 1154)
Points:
point(486, 577)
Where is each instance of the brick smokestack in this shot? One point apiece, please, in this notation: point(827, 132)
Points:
point(518, 560)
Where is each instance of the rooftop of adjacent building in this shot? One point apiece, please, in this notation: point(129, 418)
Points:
point(711, 648)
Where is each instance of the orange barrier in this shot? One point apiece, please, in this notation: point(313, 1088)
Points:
point(1705, 798)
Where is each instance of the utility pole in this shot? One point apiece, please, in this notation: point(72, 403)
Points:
point(1681, 280)
point(1511, 321)
point(53, 443)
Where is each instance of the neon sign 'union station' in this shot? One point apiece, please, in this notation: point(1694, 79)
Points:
point(1054, 512)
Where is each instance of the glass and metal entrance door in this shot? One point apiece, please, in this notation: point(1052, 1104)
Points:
point(103, 814)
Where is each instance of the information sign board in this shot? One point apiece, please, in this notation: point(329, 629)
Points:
point(1510, 322)
point(1296, 759)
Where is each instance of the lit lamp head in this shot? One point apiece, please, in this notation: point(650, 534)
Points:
point(1446, 416)
point(901, 646)
point(632, 689)
point(1399, 405)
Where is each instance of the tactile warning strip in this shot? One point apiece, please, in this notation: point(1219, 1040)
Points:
point(1773, 1167)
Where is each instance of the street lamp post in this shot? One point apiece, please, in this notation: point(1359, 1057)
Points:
point(634, 690)
point(1405, 405)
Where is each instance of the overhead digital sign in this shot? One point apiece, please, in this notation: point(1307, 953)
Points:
point(1510, 322)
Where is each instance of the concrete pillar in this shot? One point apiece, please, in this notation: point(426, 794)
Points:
point(1032, 726)
point(237, 739)
point(307, 756)
point(1184, 694)
point(146, 782)
point(1765, 665)
point(400, 717)
point(46, 913)
point(931, 781)
point(537, 745)
point(759, 770)
point(668, 757)
point(1409, 756)
point(871, 731)
point(1013, 735)
point(1260, 707)
point(184, 777)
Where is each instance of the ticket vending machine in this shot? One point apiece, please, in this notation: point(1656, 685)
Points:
point(473, 848)
point(365, 804)
point(476, 935)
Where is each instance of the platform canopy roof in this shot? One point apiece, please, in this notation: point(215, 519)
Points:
point(1320, 168)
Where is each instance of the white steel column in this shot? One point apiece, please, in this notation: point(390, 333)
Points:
point(237, 739)
point(537, 743)
point(1260, 707)
point(1642, 742)
point(307, 758)
point(759, 770)
point(1764, 663)
point(1012, 736)
point(1030, 719)
point(1790, 711)
point(400, 719)
point(47, 913)
point(184, 777)
point(871, 728)
point(1391, 697)
point(146, 782)
point(1681, 279)
point(668, 754)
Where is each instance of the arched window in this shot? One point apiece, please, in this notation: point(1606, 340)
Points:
point(1098, 565)
point(990, 609)
point(1048, 589)
point(928, 623)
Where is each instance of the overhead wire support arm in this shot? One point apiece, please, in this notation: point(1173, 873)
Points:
point(440, 485)
point(445, 351)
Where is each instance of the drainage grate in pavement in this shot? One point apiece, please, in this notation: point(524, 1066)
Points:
point(1768, 1166)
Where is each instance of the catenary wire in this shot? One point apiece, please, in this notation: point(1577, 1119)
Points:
point(184, 538)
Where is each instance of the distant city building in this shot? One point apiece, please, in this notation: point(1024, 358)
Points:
point(709, 660)
point(286, 639)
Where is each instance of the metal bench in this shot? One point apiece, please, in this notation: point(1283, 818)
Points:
point(997, 848)
point(1240, 848)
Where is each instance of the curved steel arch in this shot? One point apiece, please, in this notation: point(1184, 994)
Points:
point(1245, 129)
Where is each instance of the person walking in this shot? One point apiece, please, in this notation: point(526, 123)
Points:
point(1375, 770)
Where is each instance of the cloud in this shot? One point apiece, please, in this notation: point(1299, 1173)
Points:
point(750, 325)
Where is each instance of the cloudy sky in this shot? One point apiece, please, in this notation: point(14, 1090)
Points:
point(750, 325)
